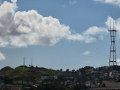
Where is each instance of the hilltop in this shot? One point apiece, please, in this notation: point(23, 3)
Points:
point(86, 77)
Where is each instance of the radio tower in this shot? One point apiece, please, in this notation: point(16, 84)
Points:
point(23, 61)
point(112, 57)
point(31, 62)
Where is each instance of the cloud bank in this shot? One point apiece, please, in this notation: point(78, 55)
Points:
point(114, 2)
point(23, 28)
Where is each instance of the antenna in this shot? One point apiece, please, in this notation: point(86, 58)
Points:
point(110, 24)
point(115, 25)
point(23, 61)
point(31, 62)
point(112, 57)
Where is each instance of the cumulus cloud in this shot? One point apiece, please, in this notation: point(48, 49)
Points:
point(90, 35)
point(86, 53)
point(110, 22)
point(23, 28)
point(2, 57)
point(95, 30)
point(114, 24)
point(28, 28)
point(114, 2)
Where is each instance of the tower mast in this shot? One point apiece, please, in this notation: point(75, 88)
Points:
point(23, 61)
point(31, 62)
point(112, 57)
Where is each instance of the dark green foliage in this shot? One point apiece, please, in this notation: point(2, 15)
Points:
point(28, 73)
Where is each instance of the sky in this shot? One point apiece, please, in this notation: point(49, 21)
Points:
point(57, 33)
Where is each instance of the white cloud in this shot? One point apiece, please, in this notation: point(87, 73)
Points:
point(95, 30)
point(14, 1)
point(76, 37)
point(81, 37)
point(114, 2)
point(2, 57)
point(86, 53)
point(89, 39)
point(90, 35)
point(110, 22)
point(23, 28)
point(118, 61)
point(28, 28)
point(114, 24)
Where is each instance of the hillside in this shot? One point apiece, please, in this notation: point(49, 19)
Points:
point(85, 77)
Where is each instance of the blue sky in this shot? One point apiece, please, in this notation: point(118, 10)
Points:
point(78, 37)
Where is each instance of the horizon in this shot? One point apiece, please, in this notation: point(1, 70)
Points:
point(67, 34)
point(57, 69)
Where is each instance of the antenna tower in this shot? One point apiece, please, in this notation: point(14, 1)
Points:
point(23, 61)
point(31, 62)
point(112, 57)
